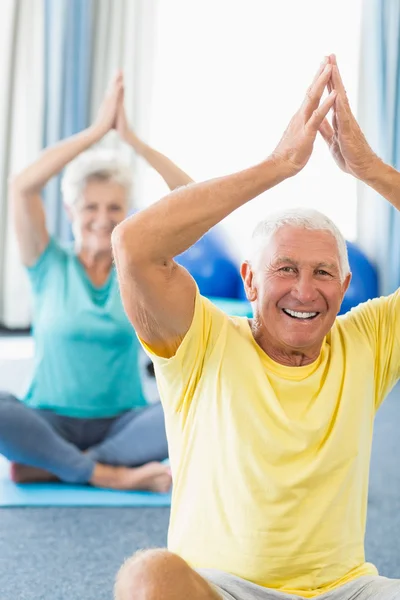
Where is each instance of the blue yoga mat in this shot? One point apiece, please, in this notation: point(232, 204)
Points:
point(61, 494)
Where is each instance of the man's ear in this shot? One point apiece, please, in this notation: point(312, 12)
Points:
point(345, 284)
point(249, 282)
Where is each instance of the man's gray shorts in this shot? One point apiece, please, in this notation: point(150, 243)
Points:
point(364, 588)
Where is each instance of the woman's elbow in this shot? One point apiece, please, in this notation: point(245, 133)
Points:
point(18, 186)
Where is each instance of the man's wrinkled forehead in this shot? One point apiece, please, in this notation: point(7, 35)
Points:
point(299, 245)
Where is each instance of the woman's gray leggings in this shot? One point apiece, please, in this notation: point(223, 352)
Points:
point(69, 447)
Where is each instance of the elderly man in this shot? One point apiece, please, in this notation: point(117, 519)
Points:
point(269, 420)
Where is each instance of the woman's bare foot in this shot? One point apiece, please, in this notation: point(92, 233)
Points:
point(153, 477)
point(20, 473)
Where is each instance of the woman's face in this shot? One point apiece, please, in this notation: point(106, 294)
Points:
point(103, 204)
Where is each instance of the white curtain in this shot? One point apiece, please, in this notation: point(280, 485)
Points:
point(124, 38)
point(21, 100)
point(379, 110)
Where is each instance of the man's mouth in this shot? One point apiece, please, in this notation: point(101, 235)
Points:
point(295, 314)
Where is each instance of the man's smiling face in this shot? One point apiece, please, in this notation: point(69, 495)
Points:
point(296, 287)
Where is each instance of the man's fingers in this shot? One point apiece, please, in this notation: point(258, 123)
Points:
point(320, 69)
point(319, 114)
point(330, 84)
point(320, 81)
point(337, 82)
point(334, 120)
point(343, 115)
point(315, 92)
point(326, 131)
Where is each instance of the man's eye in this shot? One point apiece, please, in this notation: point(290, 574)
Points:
point(287, 269)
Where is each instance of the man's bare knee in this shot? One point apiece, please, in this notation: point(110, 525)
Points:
point(147, 572)
point(152, 574)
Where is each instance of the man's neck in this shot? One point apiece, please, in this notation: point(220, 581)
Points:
point(282, 355)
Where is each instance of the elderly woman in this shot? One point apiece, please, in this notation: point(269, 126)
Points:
point(83, 419)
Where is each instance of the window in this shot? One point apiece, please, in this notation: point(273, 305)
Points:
point(228, 76)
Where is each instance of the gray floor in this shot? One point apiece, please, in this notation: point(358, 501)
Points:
point(383, 527)
point(79, 552)
point(73, 554)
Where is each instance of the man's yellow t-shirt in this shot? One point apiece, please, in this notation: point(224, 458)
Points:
point(270, 463)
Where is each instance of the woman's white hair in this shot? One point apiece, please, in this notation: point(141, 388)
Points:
point(95, 165)
point(307, 218)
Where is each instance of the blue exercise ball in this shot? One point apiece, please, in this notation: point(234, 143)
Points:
point(212, 265)
point(364, 281)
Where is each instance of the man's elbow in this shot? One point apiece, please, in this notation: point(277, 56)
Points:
point(119, 239)
point(117, 236)
point(125, 243)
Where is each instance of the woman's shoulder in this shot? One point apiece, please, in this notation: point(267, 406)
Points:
point(53, 252)
point(53, 258)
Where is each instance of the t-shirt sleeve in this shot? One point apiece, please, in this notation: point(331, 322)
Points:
point(378, 321)
point(178, 377)
point(39, 274)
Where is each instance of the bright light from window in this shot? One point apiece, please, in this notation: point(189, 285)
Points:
point(229, 75)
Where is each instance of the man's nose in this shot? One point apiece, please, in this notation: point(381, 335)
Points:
point(305, 289)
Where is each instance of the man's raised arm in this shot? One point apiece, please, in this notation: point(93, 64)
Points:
point(157, 293)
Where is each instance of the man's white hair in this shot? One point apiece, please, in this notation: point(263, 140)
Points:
point(96, 165)
point(307, 218)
